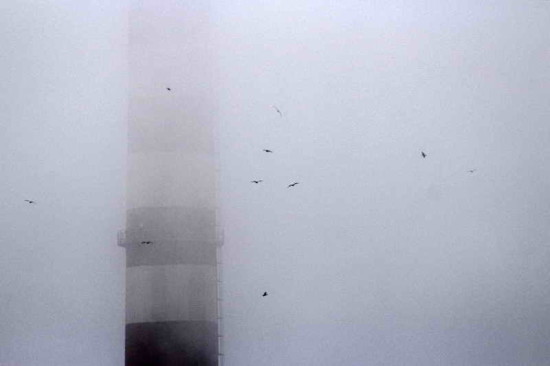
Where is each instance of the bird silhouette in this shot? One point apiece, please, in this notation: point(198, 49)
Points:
point(293, 184)
point(267, 151)
point(256, 181)
point(278, 111)
point(146, 242)
point(265, 294)
point(423, 154)
point(168, 89)
point(30, 201)
point(472, 170)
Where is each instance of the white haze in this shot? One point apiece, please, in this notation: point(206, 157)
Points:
point(378, 256)
point(62, 144)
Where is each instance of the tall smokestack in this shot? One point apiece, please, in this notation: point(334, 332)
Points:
point(171, 282)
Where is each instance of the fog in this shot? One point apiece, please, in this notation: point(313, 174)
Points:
point(378, 256)
point(63, 144)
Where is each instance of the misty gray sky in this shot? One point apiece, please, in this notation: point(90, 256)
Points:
point(62, 143)
point(379, 256)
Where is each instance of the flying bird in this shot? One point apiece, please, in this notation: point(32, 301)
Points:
point(472, 170)
point(293, 184)
point(146, 242)
point(168, 89)
point(423, 154)
point(265, 294)
point(30, 201)
point(267, 151)
point(256, 181)
point(278, 111)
